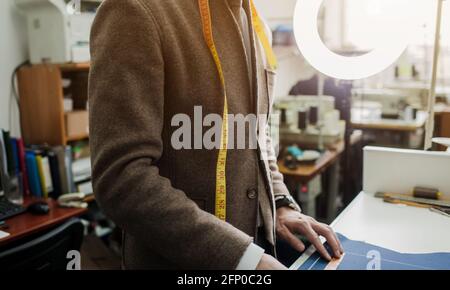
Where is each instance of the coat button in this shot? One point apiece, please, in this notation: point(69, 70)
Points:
point(252, 193)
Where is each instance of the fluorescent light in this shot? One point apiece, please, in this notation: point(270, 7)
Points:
point(395, 41)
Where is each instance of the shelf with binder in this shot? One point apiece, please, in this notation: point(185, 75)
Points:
point(44, 171)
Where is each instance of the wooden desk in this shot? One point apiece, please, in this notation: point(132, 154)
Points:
point(391, 125)
point(305, 173)
point(26, 224)
point(393, 133)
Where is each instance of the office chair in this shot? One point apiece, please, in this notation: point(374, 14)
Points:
point(45, 252)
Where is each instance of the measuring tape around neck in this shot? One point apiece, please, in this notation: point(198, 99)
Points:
point(205, 13)
point(260, 30)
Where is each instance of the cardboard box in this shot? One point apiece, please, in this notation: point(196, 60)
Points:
point(77, 124)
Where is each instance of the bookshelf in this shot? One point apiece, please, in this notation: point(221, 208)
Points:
point(42, 89)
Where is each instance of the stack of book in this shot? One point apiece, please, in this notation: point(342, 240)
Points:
point(43, 171)
point(81, 168)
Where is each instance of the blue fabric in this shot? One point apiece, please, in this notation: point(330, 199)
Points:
point(360, 256)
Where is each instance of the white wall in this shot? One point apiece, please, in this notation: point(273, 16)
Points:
point(276, 11)
point(291, 65)
point(13, 51)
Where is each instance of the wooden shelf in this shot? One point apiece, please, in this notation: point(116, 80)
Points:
point(41, 101)
point(77, 137)
point(74, 67)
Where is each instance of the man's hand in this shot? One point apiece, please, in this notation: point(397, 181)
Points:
point(291, 222)
point(269, 263)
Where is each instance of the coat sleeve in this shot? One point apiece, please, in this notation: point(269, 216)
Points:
point(278, 184)
point(279, 187)
point(126, 99)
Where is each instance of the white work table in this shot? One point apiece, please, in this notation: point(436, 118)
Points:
point(400, 228)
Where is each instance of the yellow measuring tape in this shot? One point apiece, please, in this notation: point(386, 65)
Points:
point(205, 13)
point(258, 25)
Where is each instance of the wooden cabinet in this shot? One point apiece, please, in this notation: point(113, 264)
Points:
point(42, 89)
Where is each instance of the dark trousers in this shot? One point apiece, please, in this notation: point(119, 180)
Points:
point(282, 251)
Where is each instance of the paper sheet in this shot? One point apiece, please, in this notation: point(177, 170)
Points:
point(3, 235)
point(364, 256)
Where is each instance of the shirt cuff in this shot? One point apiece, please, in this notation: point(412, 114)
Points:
point(251, 258)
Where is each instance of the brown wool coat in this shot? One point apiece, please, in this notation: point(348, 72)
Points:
point(150, 62)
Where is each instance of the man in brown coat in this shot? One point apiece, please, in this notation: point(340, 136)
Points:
point(150, 63)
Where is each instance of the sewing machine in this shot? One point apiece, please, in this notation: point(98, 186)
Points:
point(393, 102)
point(300, 120)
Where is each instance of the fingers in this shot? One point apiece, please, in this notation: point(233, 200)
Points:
point(337, 239)
point(293, 241)
point(315, 240)
point(313, 237)
point(311, 229)
point(330, 236)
